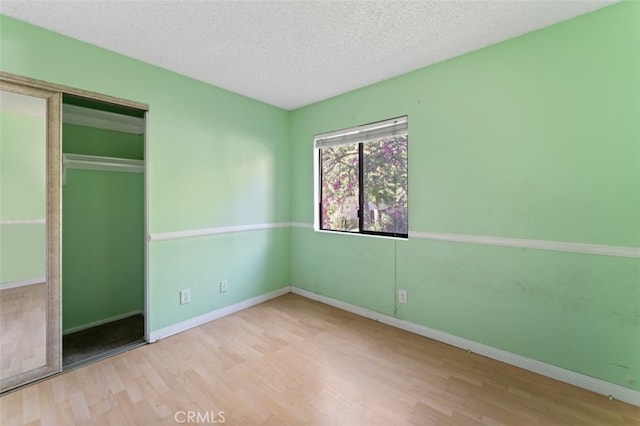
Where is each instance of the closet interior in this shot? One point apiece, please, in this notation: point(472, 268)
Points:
point(102, 229)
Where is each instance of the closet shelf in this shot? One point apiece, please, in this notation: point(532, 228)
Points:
point(94, 162)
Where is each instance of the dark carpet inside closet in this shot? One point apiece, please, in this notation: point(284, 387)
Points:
point(92, 344)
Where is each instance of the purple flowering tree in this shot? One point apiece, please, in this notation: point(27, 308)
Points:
point(340, 188)
point(385, 179)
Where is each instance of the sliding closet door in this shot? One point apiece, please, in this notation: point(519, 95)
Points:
point(30, 341)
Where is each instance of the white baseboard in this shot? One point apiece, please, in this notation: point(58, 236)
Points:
point(154, 336)
point(102, 321)
point(580, 380)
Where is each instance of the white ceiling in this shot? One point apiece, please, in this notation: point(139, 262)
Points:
point(294, 53)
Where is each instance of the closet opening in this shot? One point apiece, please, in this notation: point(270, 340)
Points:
point(103, 229)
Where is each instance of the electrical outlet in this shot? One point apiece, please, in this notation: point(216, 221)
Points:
point(402, 296)
point(185, 296)
point(223, 286)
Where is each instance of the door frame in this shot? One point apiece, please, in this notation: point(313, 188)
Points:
point(54, 193)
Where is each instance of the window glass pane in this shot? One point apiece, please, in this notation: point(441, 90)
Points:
point(339, 186)
point(385, 186)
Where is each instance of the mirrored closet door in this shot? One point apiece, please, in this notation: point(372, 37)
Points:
point(30, 259)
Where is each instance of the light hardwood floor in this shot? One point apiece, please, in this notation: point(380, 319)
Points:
point(293, 361)
point(23, 332)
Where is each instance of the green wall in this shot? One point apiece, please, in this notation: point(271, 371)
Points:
point(536, 138)
point(214, 158)
point(102, 230)
point(101, 142)
point(22, 196)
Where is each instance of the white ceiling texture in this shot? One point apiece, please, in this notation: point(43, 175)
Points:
point(294, 53)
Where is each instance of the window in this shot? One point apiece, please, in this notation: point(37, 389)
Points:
point(362, 179)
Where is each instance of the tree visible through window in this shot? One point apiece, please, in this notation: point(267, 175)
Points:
point(364, 179)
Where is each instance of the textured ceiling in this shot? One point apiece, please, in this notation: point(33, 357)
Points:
point(294, 53)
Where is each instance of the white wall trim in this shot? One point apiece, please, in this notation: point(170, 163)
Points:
point(102, 321)
point(584, 248)
point(22, 283)
point(580, 380)
point(156, 335)
point(23, 222)
point(215, 231)
point(598, 249)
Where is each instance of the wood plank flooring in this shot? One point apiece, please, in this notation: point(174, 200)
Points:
point(23, 319)
point(293, 361)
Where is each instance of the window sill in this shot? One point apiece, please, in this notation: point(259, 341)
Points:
point(357, 234)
